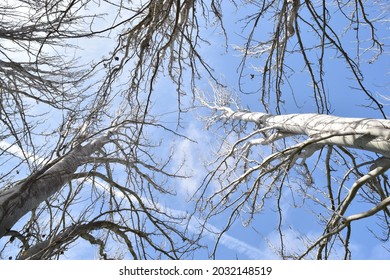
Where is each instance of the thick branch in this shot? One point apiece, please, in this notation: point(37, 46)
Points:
point(26, 195)
point(48, 248)
point(359, 133)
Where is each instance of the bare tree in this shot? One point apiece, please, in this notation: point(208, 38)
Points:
point(79, 156)
point(123, 208)
point(263, 154)
point(249, 176)
point(78, 162)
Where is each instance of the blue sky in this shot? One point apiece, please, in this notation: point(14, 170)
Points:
point(345, 101)
point(252, 241)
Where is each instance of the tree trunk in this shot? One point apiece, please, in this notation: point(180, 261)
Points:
point(26, 195)
point(359, 133)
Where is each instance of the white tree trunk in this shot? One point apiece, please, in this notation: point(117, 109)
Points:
point(26, 195)
point(359, 133)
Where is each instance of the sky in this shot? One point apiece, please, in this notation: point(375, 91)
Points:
point(252, 242)
point(345, 101)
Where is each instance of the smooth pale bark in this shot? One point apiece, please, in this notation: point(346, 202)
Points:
point(359, 133)
point(26, 195)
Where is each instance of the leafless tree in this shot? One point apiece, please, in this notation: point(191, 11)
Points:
point(78, 156)
point(78, 161)
point(264, 155)
point(293, 151)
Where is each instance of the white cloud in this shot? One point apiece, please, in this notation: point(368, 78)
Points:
point(236, 244)
point(15, 150)
point(190, 157)
point(227, 240)
point(294, 243)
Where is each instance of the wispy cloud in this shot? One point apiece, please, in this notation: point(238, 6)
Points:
point(236, 244)
point(16, 151)
point(230, 242)
point(189, 157)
